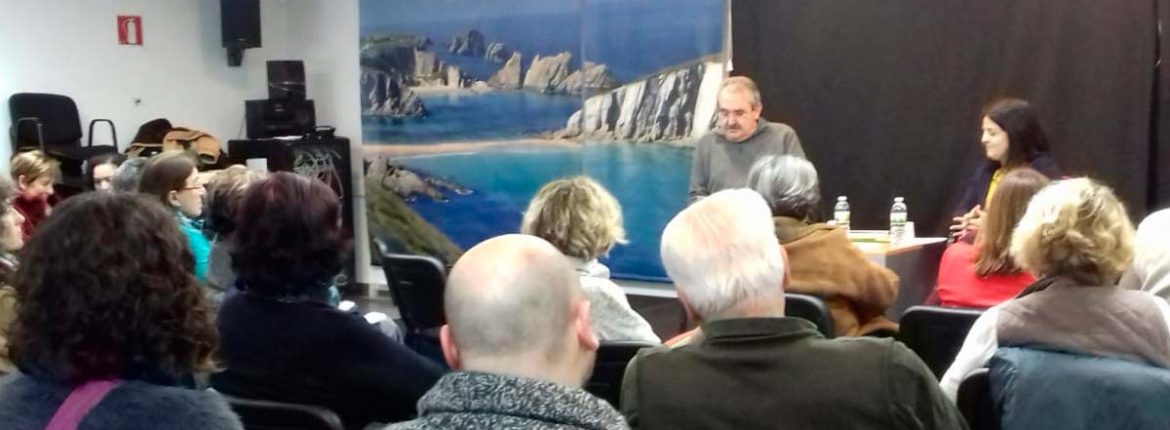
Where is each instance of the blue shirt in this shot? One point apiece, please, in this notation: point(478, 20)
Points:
point(200, 246)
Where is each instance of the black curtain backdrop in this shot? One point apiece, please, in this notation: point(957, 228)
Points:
point(887, 96)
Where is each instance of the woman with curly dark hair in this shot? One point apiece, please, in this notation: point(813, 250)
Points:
point(105, 341)
point(282, 339)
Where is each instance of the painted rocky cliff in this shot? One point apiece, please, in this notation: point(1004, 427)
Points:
point(671, 105)
point(393, 63)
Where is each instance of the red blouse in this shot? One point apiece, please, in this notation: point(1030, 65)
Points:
point(960, 286)
point(33, 210)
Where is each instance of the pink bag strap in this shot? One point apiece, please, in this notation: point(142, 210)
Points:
point(80, 402)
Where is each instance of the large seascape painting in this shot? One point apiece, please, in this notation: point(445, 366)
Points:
point(469, 106)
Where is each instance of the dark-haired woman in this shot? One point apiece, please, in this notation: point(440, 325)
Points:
point(105, 341)
point(1013, 137)
point(99, 170)
point(282, 337)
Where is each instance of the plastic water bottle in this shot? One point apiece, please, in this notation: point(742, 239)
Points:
point(841, 213)
point(898, 220)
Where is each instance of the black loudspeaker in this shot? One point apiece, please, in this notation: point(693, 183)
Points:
point(286, 80)
point(273, 118)
point(240, 20)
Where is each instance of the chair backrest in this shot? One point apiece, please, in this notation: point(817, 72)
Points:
point(936, 333)
point(57, 114)
point(416, 285)
point(610, 367)
point(975, 402)
point(270, 415)
point(810, 308)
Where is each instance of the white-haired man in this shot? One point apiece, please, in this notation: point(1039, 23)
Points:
point(518, 336)
point(750, 366)
point(723, 157)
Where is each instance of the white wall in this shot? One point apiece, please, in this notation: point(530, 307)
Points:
point(180, 73)
point(324, 33)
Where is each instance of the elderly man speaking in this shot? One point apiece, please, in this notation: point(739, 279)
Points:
point(723, 157)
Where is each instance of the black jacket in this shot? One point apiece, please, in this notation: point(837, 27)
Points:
point(976, 191)
point(312, 353)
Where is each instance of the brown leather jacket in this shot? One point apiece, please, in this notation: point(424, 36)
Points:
point(823, 262)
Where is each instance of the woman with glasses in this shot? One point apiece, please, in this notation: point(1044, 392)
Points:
point(173, 179)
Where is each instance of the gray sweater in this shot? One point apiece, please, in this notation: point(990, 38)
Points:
point(610, 314)
point(720, 164)
point(28, 403)
point(471, 400)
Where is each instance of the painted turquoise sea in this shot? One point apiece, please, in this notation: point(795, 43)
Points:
point(650, 181)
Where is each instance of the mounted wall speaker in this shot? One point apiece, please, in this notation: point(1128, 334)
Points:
point(240, 21)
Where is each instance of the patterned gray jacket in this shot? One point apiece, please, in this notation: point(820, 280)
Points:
point(471, 400)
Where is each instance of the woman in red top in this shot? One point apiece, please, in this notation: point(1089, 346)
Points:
point(977, 271)
point(33, 172)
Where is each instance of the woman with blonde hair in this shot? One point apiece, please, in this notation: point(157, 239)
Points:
point(982, 273)
point(584, 221)
point(1077, 239)
point(34, 173)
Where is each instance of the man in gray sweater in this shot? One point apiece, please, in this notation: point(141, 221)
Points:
point(724, 156)
point(519, 340)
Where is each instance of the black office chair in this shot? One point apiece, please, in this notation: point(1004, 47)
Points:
point(50, 122)
point(936, 333)
point(812, 309)
point(416, 284)
point(975, 402)
point(610, 367)
point(269, 415)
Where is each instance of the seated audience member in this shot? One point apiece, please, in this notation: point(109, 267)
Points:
point(99, 169)
point(1077, 238)
point(1150, 270)
point(983, 274)
point(283, 338)
point(107, 341)
point(584, 221)
point(34, 173)
point(127, 175)
point(519, 336)
point(172, 178)
point(821, 259)
point(752, 367)
point(224, 192)
point(11, 240)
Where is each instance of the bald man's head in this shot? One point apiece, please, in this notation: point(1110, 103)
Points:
point(512, 295)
